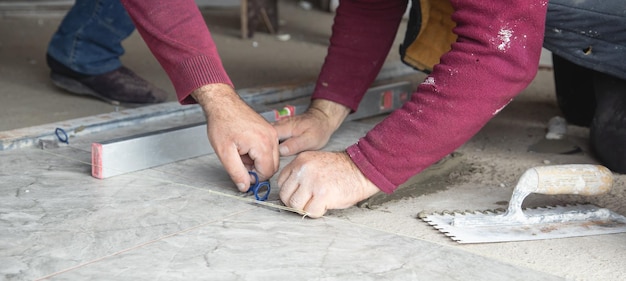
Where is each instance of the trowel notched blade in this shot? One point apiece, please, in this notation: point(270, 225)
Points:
point(520, 231)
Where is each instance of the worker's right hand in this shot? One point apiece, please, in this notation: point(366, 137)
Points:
point(318, 181)
point(241, 138)
point(312, 129)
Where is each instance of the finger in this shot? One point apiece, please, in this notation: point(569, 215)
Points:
point(287, 183)
point(292, 193)
point(247, 162)
point(235, 168)
point(276, 157)
point(316, 207)
point(284, 128)
point(300, 198)
point(266, 161)
point(296, 145)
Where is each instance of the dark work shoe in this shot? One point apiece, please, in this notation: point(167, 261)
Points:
point(608, 128)
point(119, 87)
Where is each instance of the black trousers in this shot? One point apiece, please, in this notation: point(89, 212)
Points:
point(597, 100)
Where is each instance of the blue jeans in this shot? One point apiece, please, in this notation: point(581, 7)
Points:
point(89, 38)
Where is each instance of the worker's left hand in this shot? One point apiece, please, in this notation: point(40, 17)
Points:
point(312, 129)
point(317, 181)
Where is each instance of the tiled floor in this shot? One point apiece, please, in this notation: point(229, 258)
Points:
point(185, 221)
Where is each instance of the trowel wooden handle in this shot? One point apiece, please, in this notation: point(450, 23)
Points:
point(580, 179)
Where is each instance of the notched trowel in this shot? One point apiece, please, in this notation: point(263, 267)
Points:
point(516, 224)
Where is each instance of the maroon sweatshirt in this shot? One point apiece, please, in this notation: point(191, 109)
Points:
point(495, 57)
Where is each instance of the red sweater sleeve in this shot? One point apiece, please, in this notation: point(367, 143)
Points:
point(177, 35)
point(363, 33)
point(495, 57)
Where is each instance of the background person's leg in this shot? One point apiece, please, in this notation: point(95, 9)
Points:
point(574, 91)
point(608, 128)
point(588, 43)
point(89, 38)
point(84, 55)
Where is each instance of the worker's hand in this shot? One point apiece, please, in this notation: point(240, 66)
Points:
point(311, 129)
point(241, 138)
point(317, 181)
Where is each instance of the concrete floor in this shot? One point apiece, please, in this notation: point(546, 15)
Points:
point(186, 221)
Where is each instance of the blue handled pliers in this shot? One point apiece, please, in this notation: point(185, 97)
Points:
point(262, 187)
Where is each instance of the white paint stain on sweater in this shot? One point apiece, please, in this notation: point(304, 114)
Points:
point(504, 37)
point(429, 81)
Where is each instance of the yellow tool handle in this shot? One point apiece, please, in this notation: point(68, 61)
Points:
point(583, 179)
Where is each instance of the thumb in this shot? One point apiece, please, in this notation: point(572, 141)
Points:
point(295, 145)
point(231, 160)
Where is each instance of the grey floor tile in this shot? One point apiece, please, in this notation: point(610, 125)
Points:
point(54, 215)
point(262, 244)
point(186, 221)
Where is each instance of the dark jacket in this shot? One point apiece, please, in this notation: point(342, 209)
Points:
point(589, 33)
